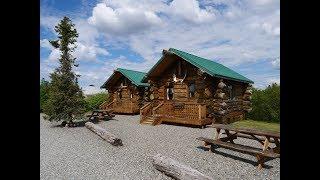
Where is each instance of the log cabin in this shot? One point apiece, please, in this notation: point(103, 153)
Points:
point(188, 89)
point(126, 91)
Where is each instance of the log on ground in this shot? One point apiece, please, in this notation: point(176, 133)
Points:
point(176, 169)
point(109, 137)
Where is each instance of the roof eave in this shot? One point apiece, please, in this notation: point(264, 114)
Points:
point(233, 79)
point(104, 84)
point(208, 72)
point(153, 67)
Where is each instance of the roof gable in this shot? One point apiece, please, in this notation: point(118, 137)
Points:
point(134, 76)
point(212, 68)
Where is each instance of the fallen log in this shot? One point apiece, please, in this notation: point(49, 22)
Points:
point(110, 138)
point(175, 169)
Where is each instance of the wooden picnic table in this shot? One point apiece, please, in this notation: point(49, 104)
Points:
point(265, 138)
point(100, 114)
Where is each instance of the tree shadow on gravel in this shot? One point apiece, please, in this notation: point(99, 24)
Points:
point(75, 124)
point(81, 123)
point(185, 125)
point(254, 163)
point(203, 148)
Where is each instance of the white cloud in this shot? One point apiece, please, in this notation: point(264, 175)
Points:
point(124, 20)
point(276, 63)
point(45, 44)
point(262, 2)
point(92, 90)
point(49, 22)
point(244, 32)
point(89, 53)
point(273, 80)
point(190, 11)
point(88, 47)
point(82, 52)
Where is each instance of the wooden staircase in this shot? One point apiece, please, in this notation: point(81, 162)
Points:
point(107, 105)
point(151, 120)
point(148, 120)
point(148, 115)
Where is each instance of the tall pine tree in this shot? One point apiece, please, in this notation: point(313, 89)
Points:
point(44, 85)
point(66, 98)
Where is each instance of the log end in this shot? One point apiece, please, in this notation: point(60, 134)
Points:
point(117, 142)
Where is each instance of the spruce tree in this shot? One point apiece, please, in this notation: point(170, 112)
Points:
point(44, 85)
point(66, 98)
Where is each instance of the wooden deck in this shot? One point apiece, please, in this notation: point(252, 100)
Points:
point(188, 113)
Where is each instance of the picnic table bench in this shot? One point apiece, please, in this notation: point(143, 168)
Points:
point(100, 114)
point(263, 137)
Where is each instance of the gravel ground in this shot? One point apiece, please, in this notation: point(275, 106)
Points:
point(78, 153)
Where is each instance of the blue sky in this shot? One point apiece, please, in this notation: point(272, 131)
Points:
point(243, 35)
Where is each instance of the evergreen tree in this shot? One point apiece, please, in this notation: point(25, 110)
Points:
point(44, 87)
point(65, 99)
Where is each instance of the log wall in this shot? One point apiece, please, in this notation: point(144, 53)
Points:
point(212, 98)
point(126, 98)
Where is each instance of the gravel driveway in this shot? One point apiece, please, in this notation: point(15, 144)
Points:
point(78, 153)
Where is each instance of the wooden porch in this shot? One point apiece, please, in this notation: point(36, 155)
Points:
point(190, 113)
point(121, 106)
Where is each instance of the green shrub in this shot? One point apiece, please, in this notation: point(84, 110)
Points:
point(266, 104)
point(95, 100)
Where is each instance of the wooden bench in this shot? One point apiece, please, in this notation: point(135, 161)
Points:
point(257, 152)
point(252, 137)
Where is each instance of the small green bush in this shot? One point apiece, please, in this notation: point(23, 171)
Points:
point(95, 100)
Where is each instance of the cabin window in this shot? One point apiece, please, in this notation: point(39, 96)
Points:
point(169, 93)
point(192, 90)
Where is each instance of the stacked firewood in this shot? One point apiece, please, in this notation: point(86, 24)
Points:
point(247, 99)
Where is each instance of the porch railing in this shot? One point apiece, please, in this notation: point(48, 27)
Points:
point(106, 105)
point(187, 110)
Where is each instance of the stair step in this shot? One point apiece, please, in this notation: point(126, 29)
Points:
point(146, 123)
point(148, 120)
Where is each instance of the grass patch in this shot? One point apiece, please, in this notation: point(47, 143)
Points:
point(261, 125)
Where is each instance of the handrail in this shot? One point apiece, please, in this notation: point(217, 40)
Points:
point(157, 107)
point(104, 104)
point(101, 105)
point(145, 110)
point(146, 105)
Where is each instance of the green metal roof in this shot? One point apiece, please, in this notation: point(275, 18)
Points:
point(134, 76)
point(212, 68)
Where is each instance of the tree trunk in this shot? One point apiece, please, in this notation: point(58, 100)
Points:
point(104, 134)
point(175, 169)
